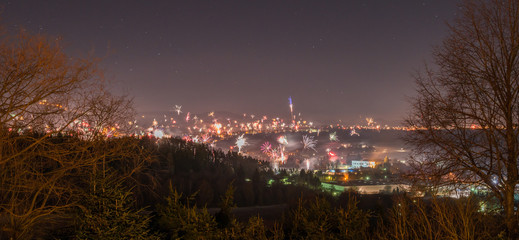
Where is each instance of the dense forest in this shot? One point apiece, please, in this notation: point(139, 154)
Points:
point(172, 189)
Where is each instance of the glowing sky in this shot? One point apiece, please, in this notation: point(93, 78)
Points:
point(337, 59)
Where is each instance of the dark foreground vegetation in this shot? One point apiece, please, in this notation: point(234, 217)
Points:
point(164, 189)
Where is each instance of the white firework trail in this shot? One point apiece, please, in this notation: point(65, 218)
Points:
point(333, 137)
point(178, 109)
point(241, 142)
point(309, 142)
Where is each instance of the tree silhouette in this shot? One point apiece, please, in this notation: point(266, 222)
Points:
point(466, 113)
point(54, 116)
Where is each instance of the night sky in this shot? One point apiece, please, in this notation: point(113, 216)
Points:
point(342, 60)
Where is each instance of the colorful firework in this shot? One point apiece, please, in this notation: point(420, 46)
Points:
point(277, 155)
point(206, 138)
point(291, 109)
point(266, 148)
point(283, 140)
point(273, 153)
point(217, 127)
point(309, 142)
point(369, 121)
point(186, 138)
point(333, 156)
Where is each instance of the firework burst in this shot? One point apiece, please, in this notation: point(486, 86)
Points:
point(178, 109)
point(333, 137)
point(241, 142)
point(206, 138)
point(309, 142)
point(266, 148)
point(283, 140)
point(353, 132)
point(369, 121)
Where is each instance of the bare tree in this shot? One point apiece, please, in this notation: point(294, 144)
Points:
point(466, 112)
point(47, 100)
